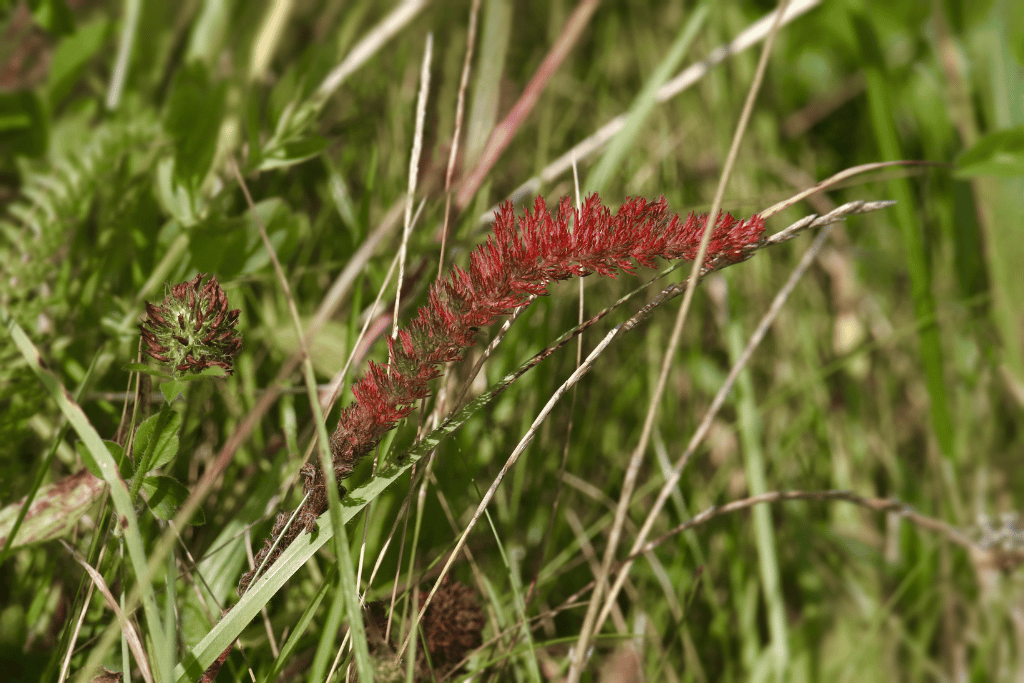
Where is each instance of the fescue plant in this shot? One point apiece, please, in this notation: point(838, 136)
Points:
point(297, 382)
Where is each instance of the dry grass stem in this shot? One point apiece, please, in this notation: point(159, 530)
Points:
point(502, 135)
point(589, 628)
point(750, 36)
point(766, 321)
point(369, 45)
point(414, 168)
point(460, 107)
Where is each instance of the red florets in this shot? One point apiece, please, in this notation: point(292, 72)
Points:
point(517, 262)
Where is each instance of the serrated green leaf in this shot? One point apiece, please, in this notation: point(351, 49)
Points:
point(165, 495)
point(156, 440)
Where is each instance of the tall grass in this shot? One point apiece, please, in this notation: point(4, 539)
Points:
point(824, 487)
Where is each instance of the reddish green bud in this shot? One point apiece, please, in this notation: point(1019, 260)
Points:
point(192, 329)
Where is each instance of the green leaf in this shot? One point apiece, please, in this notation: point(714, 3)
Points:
point(184, 205)
point(232, 246)
point(219, 245)
point(625, 140)
point(194, 112)
point(220, 571)
point(123, 504)
point(999, 154)
point(867, 41)
point(156, 440)
point(292, 152)
point(300, 79)
point(214, 371)
point(54, 16)
point(124, 463)
point(283, 228)
point(24, 127)
point(173, 389)
point(116, 452)
point(176, 387)
point(1013, 20)
point(300, 626)
point(14, 121)
point(87, 459)
point(72, 56)
point(967, 14)
point(165, 496)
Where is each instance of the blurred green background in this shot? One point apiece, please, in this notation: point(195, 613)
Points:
point(896, 370)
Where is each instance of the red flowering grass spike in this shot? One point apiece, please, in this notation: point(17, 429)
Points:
point(192, 329)
point(517, 262)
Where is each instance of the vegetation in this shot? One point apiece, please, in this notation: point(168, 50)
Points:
point(808, 471)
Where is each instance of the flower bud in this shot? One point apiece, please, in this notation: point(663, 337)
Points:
point(192, 329)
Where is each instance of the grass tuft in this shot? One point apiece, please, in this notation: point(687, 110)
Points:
point(808, 474)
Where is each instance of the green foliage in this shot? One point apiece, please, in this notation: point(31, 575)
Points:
point(53, 15)
point(1000, 154)
point(156, 440)
point(165, 495)
point(23, 123)
point(103, 203)
point(72, 57)
point(192, 121)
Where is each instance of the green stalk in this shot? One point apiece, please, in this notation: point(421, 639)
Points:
point(45, 466)
point(129, 522)
point(132, 14)
point(882, 114)
point(750, 436)
point(643, 105)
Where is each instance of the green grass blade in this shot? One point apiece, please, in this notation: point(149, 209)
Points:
point(751, 435)
point(883, 124)
point(299, 629)
point(118, 489)
point(611, 160)
point(325, 648)
point(493, 45)
point(44, 468)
